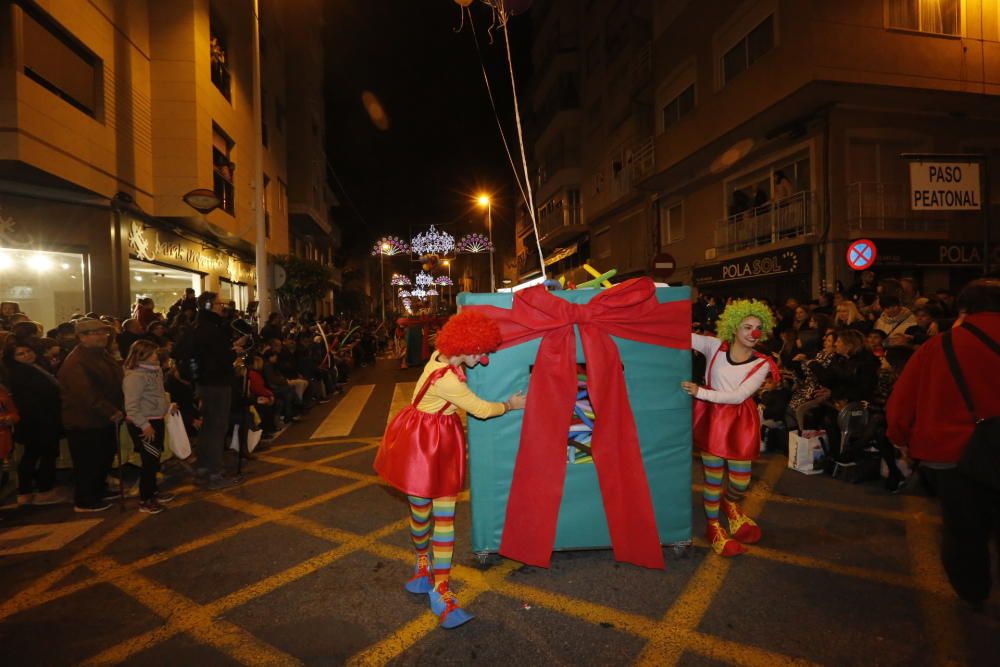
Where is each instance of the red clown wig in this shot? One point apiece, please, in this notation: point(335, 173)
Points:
point(469, 332)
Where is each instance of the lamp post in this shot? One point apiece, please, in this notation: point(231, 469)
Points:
point(447, 263)
point(384, 248)
point(484, 200)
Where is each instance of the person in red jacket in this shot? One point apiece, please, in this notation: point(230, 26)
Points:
point(927, 416)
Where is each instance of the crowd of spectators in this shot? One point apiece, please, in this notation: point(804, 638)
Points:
point(200, 358)
point(840, 349)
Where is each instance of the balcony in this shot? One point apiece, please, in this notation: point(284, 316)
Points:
point(791, 218)
point(885, 207)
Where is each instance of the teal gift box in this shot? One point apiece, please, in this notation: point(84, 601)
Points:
point(662, 412)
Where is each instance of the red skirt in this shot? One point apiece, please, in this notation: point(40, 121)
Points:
point(423, 454)
point(727, 431)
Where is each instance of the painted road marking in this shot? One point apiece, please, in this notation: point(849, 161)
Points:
point(341, 420)
point(402, 396)
point(43, 537)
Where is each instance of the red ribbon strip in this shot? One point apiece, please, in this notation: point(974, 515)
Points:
point(628, 310)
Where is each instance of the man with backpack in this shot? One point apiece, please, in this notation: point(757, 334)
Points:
point(929, 414)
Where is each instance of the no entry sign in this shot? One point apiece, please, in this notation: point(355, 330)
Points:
point(861, 254)
point(664, 266)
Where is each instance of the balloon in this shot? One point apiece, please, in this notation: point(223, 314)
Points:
point(463, 3)
point(514, 7)
point(426, 266)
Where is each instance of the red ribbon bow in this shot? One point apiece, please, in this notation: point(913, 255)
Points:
point(628, 310)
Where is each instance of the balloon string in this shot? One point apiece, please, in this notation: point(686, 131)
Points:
point(461, 13)
point(496, 114)
point(524, 158)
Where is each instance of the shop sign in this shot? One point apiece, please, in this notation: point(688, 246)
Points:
point(10, 237)
point(763, 265)
point(177, 251)
point(944, 186)
point(933, 253)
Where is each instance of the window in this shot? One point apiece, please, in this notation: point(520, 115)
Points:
point(940, 17)
point(220, 58)
point(678, 107)
point(748, 50)
point(601, 243)
point(266, 203)
point(671, 222)
point(54, 59)
point(222, 169)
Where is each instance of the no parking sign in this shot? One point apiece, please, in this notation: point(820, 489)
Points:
point(861, 254)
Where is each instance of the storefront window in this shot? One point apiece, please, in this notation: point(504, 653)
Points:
point(48, 286)
point(165, 284)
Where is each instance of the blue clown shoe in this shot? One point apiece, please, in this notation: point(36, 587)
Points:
point(444, 604)
point(421, 581)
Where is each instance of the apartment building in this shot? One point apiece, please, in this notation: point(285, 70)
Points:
point(111, 114)
point(774, 138)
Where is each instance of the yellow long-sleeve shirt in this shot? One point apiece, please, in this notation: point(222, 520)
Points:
point(452, 390)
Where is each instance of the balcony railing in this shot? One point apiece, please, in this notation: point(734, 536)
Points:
point(789, 218)
point(885, 207)
point(562, 218)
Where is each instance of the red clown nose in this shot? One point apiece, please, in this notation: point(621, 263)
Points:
point(756, 334)
point(484, 360)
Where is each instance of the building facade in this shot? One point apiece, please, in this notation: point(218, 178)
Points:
point(776, 136)
point(110, 114)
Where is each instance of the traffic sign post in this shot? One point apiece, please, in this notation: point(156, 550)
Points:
point(664, 266)
point(861, 254)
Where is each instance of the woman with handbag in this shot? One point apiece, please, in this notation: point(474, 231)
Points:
point(145, 407)
point(423, 453)
point(726, 425)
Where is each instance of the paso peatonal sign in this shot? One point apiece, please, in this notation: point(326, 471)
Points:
point(764, 265)
point(944, 186)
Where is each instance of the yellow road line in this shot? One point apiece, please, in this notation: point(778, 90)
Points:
point(341, 420)
point(323, 441)
point(183, 615)
point(690, 606)
point(402, 396)
point(938, 603)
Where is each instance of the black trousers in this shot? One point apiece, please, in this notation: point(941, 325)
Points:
point(37, 469)
point(970, 514)
point(150, 453)
point(93, 453)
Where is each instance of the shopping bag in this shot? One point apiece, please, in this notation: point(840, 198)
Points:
point(253, 439)
point(806, 451)
point(177, 437)
point(234, 442)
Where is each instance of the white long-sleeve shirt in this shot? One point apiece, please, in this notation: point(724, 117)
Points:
point(727, 376)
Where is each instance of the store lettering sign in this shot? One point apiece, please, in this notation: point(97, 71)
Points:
point(944, 186)
point(187, 254)
point(767, 265)
point(928, 253)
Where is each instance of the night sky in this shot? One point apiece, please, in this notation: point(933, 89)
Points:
point(442, 144)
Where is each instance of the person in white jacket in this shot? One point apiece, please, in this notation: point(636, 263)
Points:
point(145, 407)
point(726, 425)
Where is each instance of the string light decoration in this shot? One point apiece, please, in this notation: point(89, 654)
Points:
point(419, 293)
point(474, 243)
point(424, 279)
point(400, 280)
point(432, 242)
point(432, 292)
point(443, 281)
point(389, 246)
point(403, 294)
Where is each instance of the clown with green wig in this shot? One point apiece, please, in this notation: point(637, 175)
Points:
point(726, 424)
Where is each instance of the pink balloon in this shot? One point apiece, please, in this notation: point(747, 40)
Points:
point(463, 3)
point(514, 7)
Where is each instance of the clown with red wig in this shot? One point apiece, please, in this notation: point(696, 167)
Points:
point(726, 424)
point(423, 453)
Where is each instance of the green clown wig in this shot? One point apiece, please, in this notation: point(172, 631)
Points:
point(738, 311)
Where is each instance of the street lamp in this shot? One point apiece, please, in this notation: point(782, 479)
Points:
point(384, 248)
point(447, 263)
point(484, 200)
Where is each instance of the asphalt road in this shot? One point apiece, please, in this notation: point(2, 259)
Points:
point(304, 564)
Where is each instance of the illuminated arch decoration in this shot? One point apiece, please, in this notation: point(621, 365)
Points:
point(432, 292)
point(419, 293)
point(424, 279)
point(443, 281)
point(403, 294)
point(393, 246)
point(474, 243)
point(400, 280)
point(432, 242)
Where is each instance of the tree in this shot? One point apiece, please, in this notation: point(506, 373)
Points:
point(306, 281)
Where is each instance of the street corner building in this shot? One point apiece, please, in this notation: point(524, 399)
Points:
point(113, 115)
point(598, 366)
